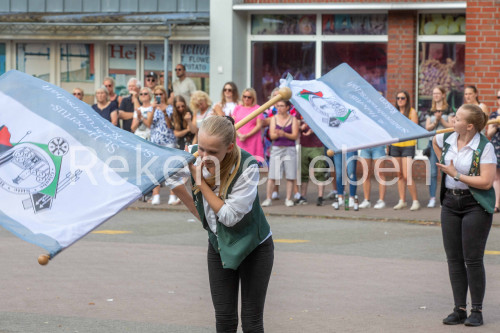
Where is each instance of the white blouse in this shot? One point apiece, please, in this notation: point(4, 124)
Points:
point(237, 204)
point(463, 159)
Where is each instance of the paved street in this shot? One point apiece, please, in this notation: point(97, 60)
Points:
point(145, 271)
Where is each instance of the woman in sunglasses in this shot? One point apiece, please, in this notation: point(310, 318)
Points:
point(139, 126)
point(229, 100)
point(249, 136)
point(404, 152)
point(109, 83)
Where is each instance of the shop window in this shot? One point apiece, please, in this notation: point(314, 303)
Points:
point(359, 24)
point(441, 64)
point(438, 24)
point(34, 59)
point(154, 59)
point(283, 24)
point(77, 62)
point(2, 58)
point(122, 60)
point(196, 59)
point(368, 59)
point(272, 61)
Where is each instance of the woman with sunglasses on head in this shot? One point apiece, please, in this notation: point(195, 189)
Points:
point(494, 133)
point(104, 107)
point(471, 96)
point(404, 152)
point(139, 127)
point(468, 163)
point(185, 128)
point(440, 117)
point(229, 100)
point(240, 251)
point(249, 136)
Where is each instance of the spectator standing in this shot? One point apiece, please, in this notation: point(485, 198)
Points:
point(129, 104)
point(229, 100)
point(183, 86)
point(439, 118)
point(369, 156)
point(78, 93)
point(471, 96)
point(162, 134)
point(109, 84)
point(310, 148)
point(404, 152)
point(201, 105)
point(151, 80)
point(248, 136)
point(185, 128)
point(104, 107)
point(284, 130)
point(493, 132)
point(139, 126)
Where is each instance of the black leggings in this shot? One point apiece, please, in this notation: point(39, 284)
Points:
point(465, 226)
point(254, 273)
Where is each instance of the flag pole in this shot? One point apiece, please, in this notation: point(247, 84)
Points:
point(283, 94)
point(444, 130)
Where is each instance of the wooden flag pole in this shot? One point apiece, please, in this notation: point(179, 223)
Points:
point(283, 94)
point(444, 130)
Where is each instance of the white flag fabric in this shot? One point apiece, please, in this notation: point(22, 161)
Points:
point(64, 169)
point(347, 113)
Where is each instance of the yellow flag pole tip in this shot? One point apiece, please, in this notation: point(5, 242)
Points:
point(286, 93)
point(43, 259)
point(329, 153)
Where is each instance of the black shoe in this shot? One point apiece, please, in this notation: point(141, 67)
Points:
point(301, 201)
point(458, 316)
point(475, 318)
point(319, 201)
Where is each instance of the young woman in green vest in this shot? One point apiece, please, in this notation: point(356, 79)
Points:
point(224, 197)
point(468, 162)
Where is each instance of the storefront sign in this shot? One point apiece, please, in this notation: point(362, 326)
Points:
point(196, 58)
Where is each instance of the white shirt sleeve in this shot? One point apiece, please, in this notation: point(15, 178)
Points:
point(240, 201)
point(439, 140)
point(488, 155)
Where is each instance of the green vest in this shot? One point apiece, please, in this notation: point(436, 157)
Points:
point(486, 198)
point(235, 243)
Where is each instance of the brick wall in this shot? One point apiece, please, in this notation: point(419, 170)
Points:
point(482, 49)
point(402, 32)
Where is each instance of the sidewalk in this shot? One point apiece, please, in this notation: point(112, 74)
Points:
point(423, 216)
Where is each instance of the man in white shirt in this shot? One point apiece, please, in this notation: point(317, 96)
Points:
point(183, 86)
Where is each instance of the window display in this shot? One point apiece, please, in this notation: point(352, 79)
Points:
point(437, 24)
point(283, 24)
point(272, 61)
point(122, 59)
point(359, 24)
point(441, 64)
point(368, 59)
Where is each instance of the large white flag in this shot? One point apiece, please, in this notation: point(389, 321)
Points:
point(64, 169)
point(348, 114)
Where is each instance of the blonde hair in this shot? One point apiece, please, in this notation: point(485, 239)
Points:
point(253, 93)
point(104, 90)
point(196, 97)
point(223, 128)
point(475, 116)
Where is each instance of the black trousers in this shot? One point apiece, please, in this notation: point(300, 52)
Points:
point(254, 273)
point(465, 226)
